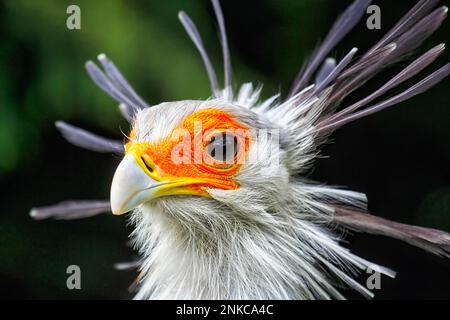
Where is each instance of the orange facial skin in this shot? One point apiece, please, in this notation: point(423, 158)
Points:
point(182, 156)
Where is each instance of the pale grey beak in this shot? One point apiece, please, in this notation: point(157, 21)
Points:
point(131, 186)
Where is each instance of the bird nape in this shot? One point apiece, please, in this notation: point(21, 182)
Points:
point(216, 189)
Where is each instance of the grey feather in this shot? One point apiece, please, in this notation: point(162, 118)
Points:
point(431, 240)
point(421, 9)
point(379, 59)
point(325, 70)
point(419, 32)
point(224, 43)
point(368, 63)
point(336, 71)
point(127, 265)
point(193, 33)
point(87, 140)
point(127, 111)
point(359, 73)
point(346, 22)
point(104, 83)
point(120, 82)
point(411, 70)
point(69, 210)
point(418, 88)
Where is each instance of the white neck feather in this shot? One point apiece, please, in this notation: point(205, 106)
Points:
point(274, 255)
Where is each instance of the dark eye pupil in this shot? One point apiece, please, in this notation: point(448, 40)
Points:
point(223, 147)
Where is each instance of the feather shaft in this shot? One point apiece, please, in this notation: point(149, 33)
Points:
point(69, 210)
point(193, 33)
point(84, 139)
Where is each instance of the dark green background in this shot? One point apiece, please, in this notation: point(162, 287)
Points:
point(399, 157)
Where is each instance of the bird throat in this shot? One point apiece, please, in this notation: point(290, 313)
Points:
point(182, 258)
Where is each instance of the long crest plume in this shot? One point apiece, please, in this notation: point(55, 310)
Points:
point(194, 34)
point(400, 42)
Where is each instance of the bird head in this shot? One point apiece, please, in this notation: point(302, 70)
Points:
point(198, 154)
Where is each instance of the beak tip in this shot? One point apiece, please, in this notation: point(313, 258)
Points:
point(118, 211)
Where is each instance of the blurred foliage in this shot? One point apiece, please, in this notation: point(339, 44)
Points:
point(400, 161)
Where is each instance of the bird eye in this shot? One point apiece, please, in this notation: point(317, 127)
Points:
point(223, 147)
point(148, 164)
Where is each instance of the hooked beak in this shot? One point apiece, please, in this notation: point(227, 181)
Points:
point(137, 181)
point(131, 186)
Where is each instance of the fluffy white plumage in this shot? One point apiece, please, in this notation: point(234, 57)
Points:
point(269, 239)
